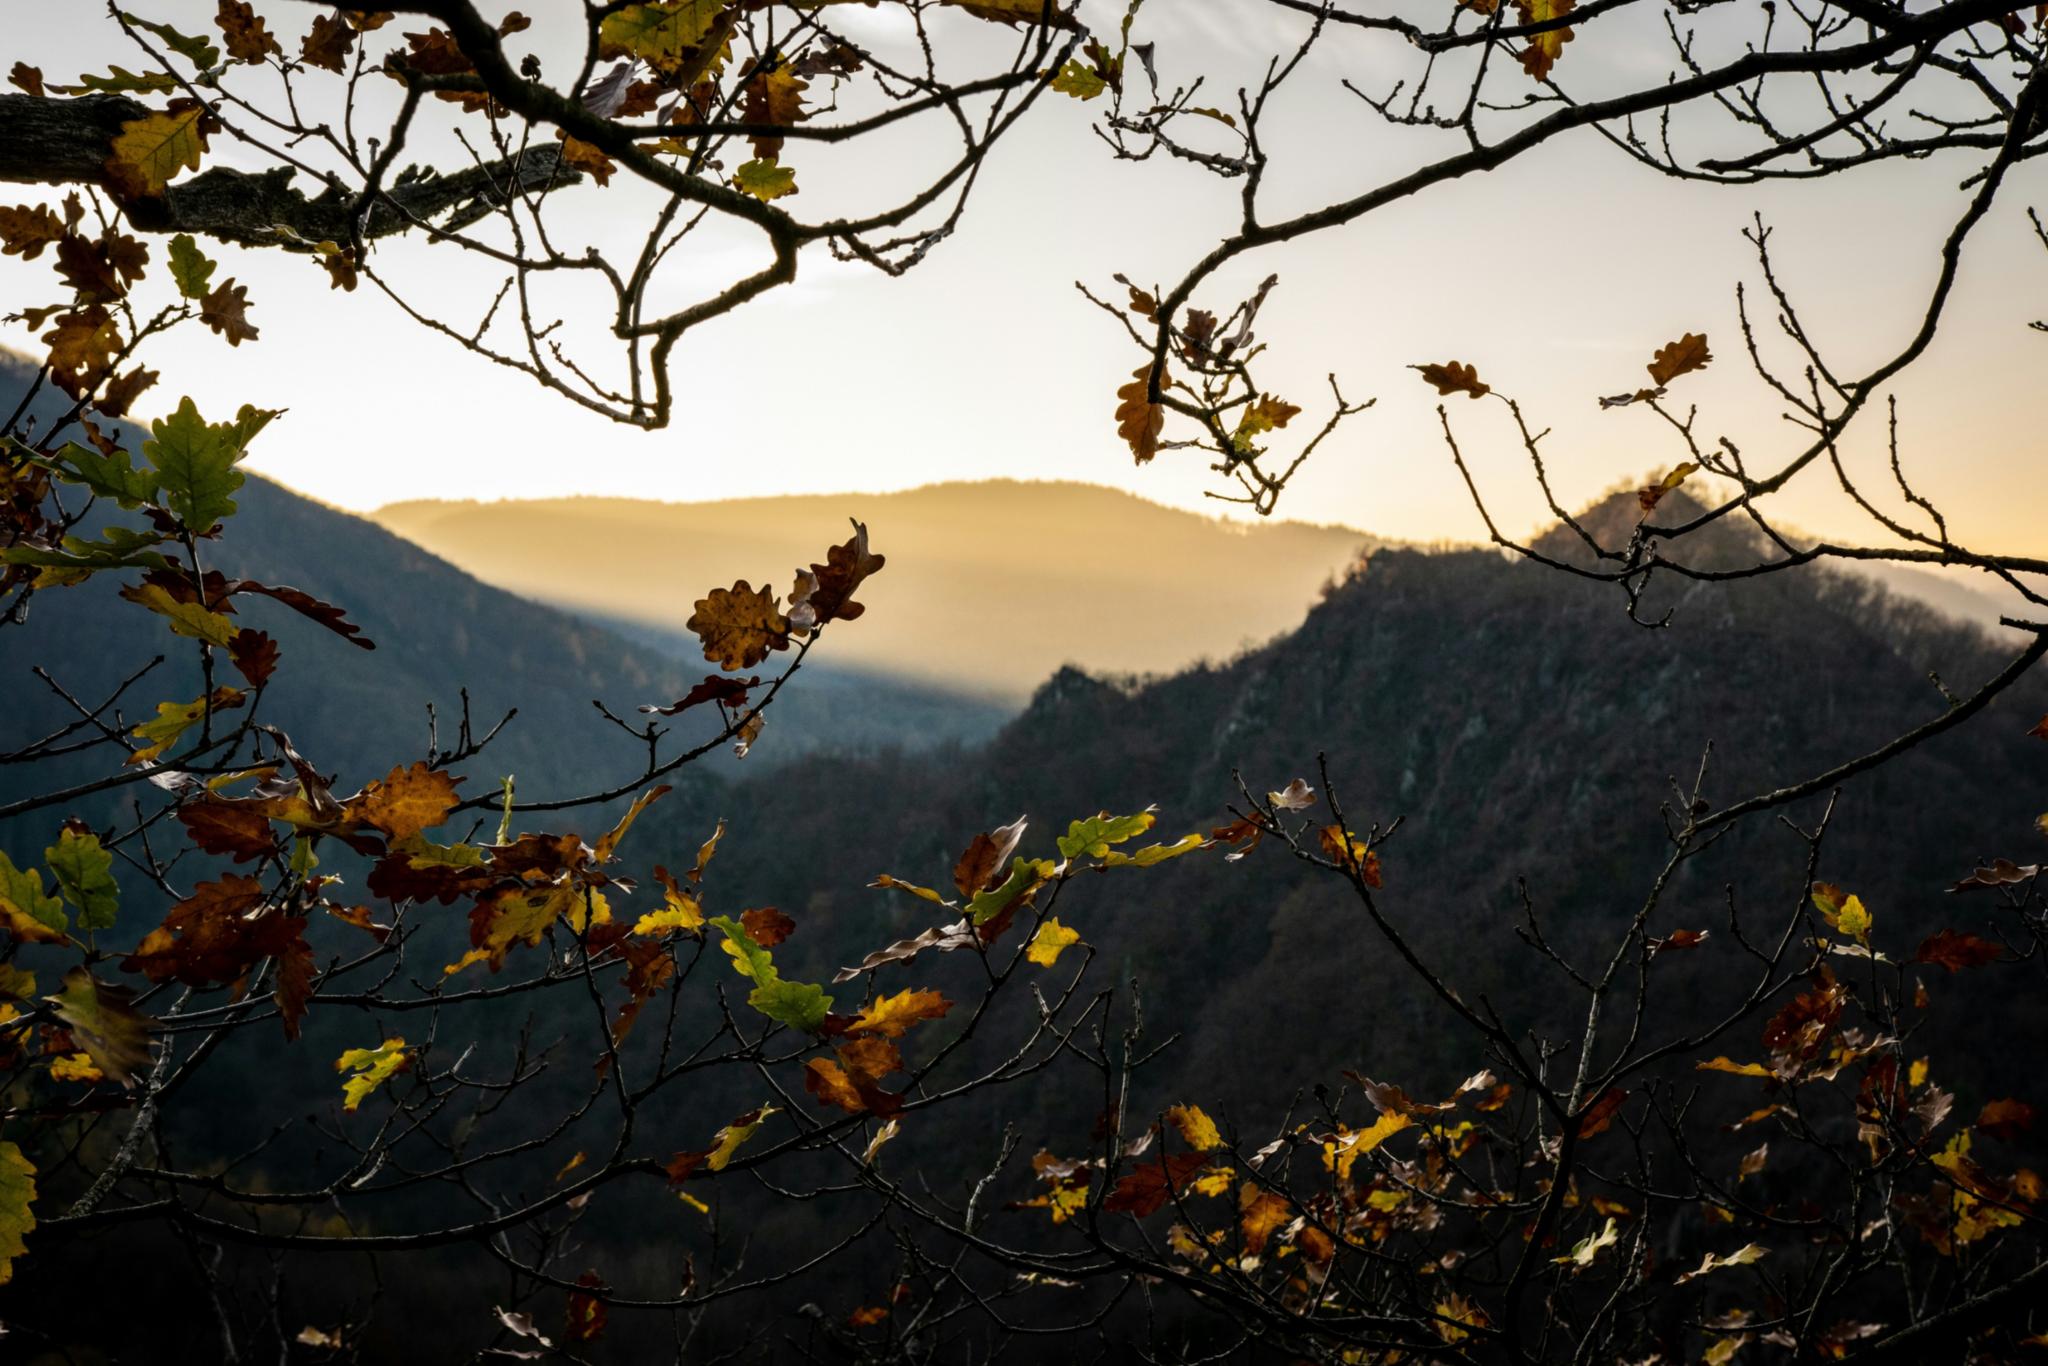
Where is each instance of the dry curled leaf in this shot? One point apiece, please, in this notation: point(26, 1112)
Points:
point(1453, 378)
point(1682, 357)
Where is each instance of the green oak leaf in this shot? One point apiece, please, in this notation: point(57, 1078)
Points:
point(764, 179)
point(190, 267)
point(17, 1193)
point(104, 1021)
point(195, 462)
point(1082, 82)
point(1026, 876)
point(1094, 835)
point(84, 870)
point(21, 890)
point(800, 1005)
point(199, 51)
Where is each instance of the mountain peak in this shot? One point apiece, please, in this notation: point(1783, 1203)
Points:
point(1613, 519)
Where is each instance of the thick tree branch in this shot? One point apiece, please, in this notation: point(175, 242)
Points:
point(65, 142)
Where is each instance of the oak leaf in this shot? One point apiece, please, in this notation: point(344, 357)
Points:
point(102, 1019)
point(1453, 378)
point(890, 1016)
point(247, 37)
point(1648, 496)
point(149, 152)
point(985, 856)
point(254, 655)
point(739, 626)
point(1139, 421)
point(1260, 1213)
point(767, 926)
point(1955, 951)
point(372, 1067)
point(83, 870)
point(173, 719)
point(1598, 1117)
point(1682, 357)
point(588, 158)
point(2006, 1119)
point(226, 311)
point(847, 566)
point(727, 692)
point(1050, 941)
point(328, 43)
point(773, 96)
point(662, 35)
point(26, 229)
point(1541, 50)
point(1147, 1187)
point(764, 179)
point(407, 800)
point(17, 1193)
point(1197, 1130)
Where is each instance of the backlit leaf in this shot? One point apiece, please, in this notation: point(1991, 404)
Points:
point(661, 35)
point(149, 152)
point(83, 869)
point(1139, 421)
point(372, 1068)
point(103, 1020)
point(17, 1193)
point(890, 1016)
point(1052, 938)
point(30, 912)
point(1197, 1130)
point(1540, 51)
point(728, 1139)
point(1095, 834)
point(1745, 1256)
point(764, 178)
point(195, 462)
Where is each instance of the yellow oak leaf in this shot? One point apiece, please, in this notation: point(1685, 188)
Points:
point(372, 1067)
point(1051, 939)
point(148, 152)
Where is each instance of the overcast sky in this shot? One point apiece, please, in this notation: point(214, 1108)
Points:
point(1556, 276)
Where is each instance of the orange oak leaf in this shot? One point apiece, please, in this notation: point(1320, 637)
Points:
point(890, 1016)
point(1138, 420)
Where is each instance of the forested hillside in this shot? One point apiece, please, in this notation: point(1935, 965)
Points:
point(1522, 729)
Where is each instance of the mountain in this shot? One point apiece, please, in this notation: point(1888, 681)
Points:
point(439, 631)
point(1514, 720)
point(1520, 727)
point(990, 587)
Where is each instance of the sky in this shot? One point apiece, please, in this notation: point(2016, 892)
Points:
point(1557, 276)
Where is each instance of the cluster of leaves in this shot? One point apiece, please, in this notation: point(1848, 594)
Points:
point(1424, 1226)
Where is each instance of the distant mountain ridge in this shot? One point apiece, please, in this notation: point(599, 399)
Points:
point(991, 586)
point(1520, 726)
point(439, 631)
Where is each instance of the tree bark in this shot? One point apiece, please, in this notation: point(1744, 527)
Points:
point(45, 141)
